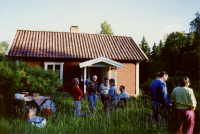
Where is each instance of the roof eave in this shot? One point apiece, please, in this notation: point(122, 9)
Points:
point(101, 59)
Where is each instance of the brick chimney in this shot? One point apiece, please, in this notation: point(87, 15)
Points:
point(74, 29)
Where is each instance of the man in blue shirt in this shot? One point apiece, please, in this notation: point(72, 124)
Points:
point(112, 94)
point(158, 93)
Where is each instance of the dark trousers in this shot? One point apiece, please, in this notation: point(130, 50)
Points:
point(104, 102)
point(103, 99)
point(185, 120)
point(161, 113)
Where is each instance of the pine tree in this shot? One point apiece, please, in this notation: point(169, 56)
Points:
point(144, 66)
point(154, 51)
point(160, 46)
point(145, 47)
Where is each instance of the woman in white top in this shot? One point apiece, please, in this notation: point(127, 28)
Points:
point(104, 87)
point(185, 103)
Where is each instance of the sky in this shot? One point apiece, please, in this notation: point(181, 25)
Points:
point(133, 18)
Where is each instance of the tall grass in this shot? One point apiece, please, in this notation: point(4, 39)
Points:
point(134, 118)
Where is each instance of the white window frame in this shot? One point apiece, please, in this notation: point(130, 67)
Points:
point(55, 63)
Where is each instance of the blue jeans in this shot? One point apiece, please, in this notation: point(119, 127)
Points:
point(92, 98)
point(77, 107)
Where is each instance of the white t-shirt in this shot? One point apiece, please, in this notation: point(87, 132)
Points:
point(104, 89)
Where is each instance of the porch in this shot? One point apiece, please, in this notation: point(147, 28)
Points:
point(101, 67)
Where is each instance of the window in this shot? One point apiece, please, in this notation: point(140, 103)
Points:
point(55, 66)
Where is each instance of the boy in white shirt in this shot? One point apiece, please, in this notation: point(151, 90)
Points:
point(104, 87)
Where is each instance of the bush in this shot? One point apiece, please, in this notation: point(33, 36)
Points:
point(172, 82)
point(146, 86)
point(20, 77)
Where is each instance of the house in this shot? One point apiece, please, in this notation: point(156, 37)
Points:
point(81, 55)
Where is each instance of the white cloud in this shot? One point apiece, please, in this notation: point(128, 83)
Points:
point(176, 26)
point(172, 28)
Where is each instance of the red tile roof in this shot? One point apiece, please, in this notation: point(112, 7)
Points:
point(50, 44)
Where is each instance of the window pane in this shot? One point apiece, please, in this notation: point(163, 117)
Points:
point(57, 67)
point(50, 67)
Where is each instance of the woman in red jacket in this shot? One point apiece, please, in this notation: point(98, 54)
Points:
point(77, 93)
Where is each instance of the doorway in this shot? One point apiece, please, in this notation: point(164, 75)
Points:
point(100, 72)
point(96, 71)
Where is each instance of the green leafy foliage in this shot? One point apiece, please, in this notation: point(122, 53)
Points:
point(146, 86)
point(154, 51)
point(179, 56)
point(106, 28)
point(145, 47)
point(3, 47)
point(195, 24)
point(172, 52)
point(172, 82)
point(144, 65)
point(20, 77)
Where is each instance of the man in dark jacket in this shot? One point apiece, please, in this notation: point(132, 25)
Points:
point(92, 88)
point(158, 93)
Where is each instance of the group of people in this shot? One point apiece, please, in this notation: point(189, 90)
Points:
point(182, 98)
point(108, 91)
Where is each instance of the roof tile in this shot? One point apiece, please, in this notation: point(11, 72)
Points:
point(51, 44)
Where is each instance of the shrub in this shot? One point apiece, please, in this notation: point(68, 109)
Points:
point(146, 86)
point(20, 77)
point(172, 82)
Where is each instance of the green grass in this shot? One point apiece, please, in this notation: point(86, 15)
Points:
point(134, 118)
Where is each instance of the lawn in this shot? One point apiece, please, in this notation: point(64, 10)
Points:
point(134, 118)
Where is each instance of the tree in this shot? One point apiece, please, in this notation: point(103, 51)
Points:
point(160, 46)
point(106, 28)
point(155, 61)
point(154, 51)
point(195, 28)
point(195, 24)
point(179, 56)
point(3, 47)
point(144, 66)
point(145, 47)
point(172, 52)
